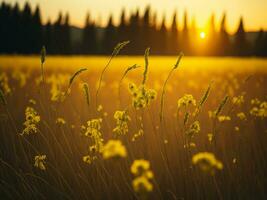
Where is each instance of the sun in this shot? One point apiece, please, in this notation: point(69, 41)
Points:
point(202, 35)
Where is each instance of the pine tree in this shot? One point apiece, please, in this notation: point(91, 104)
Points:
point(163, 37)
point(240, 44)
point(259, 44)
point(15, 30)
point(185, 37)
point(110, 39)
point(173, 39)
point(26, 33)
point(89, 37)
point(48, 37)
point(37, 31)
point(224, 41)
point(66, 37)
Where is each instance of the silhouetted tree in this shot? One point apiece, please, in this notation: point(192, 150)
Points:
point(123, 28)
point(66, 40)
point(26, 32)
point(259, 46)
point(15, 30)
point(173, 39)
point(211, 48)
point(57, 46)
point(240, 43)
point(36, 33)
point(5, 15)
point(110, 37)
point(145, 29)
point(135, 33)
point(162, 40)
point(224, 44)
point(89, 37)
point(193, 34)
point(48, 37)
point(184, 40)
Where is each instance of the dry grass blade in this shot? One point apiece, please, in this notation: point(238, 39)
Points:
point(129, 69)
point(205, 96)
point(222, 104)
point(2, 97)
point(119, 47)
point(86, 93)
point(75, 75)
point(146, 65)
point(115, 52)
point(165, 83)
point(42, 57)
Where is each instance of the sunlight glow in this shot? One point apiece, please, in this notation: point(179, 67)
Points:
point(202, 34)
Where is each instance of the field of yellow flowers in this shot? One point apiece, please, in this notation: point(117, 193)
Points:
point(133, 127)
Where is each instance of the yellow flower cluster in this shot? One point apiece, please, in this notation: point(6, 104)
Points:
point(114, 149)
point(241, 116)
point(193, 129)
point(255, 101)
point(88, 159)
point(60, 121)
point(4, 86)
point(121, 122)
point(239, 100)
point(39, 162)
point(92, 130)
point(207, 162)
point(260, 110)
point(137, 135)
point(32, 119)
point(56, 82)
point(143, 175)
point(212, 114)
point(20, 76)
point(186, 100)
point(141, 96)
point(223, 118)
point(210, 137)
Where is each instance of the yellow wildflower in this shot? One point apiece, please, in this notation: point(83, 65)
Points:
point(121, 122)
point(239, 100)
point(142, 185)
point(193, 129)
point(39, 162)
point(140, 166)
point(207, 162)
point(32, 119)
point(241, 116)
point(60, 120)
point(223, 118)
point(186, 100)
point(114, 149)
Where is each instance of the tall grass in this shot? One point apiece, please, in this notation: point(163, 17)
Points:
point(194, 156)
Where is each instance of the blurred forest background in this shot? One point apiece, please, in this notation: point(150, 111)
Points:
point(22, 31)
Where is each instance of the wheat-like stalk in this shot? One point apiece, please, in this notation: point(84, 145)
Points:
point(42, 58)
point(130, 68)
point(2, 97)
point(115, 52)
point(165, 83)
point(205, 95)
point(86, 93)
point(75, 75)
point(222, 104)
point(146, 66)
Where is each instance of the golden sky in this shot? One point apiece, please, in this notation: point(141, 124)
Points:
point(253, 11)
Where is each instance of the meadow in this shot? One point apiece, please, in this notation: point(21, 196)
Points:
point(71, 128)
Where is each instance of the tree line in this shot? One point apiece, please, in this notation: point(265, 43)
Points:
point(22, 32)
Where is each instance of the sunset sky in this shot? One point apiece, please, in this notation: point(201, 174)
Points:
point(253, 11)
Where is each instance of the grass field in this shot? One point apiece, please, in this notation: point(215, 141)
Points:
point(209, 144)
